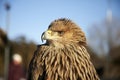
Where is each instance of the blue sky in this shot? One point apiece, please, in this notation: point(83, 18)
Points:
point(31, 17)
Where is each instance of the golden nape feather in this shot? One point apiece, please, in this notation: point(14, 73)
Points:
point(63, 56)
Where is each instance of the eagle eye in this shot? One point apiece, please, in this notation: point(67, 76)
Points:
point(61, 32)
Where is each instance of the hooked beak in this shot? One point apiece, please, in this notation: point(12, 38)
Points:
point(46, 35)
point(43, 37)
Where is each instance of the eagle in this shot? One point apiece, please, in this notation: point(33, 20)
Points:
point(63, 56)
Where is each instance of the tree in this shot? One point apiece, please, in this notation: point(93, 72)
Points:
point(104, 36)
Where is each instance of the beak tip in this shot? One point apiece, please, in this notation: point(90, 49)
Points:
point(42, 37)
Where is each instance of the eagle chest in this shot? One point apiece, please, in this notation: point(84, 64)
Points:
point(60, 65)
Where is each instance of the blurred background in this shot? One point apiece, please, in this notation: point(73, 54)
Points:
point(23, 21)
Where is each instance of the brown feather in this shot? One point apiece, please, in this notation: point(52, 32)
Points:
point(69, 60)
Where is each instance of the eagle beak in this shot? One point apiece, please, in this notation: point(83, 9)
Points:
point(42, 36)
point(46, 35)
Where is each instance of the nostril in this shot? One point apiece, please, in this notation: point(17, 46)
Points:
point(49, 32)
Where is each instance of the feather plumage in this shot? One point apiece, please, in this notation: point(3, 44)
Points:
point(63, 56)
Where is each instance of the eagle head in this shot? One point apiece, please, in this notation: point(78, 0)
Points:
point(63, 31)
